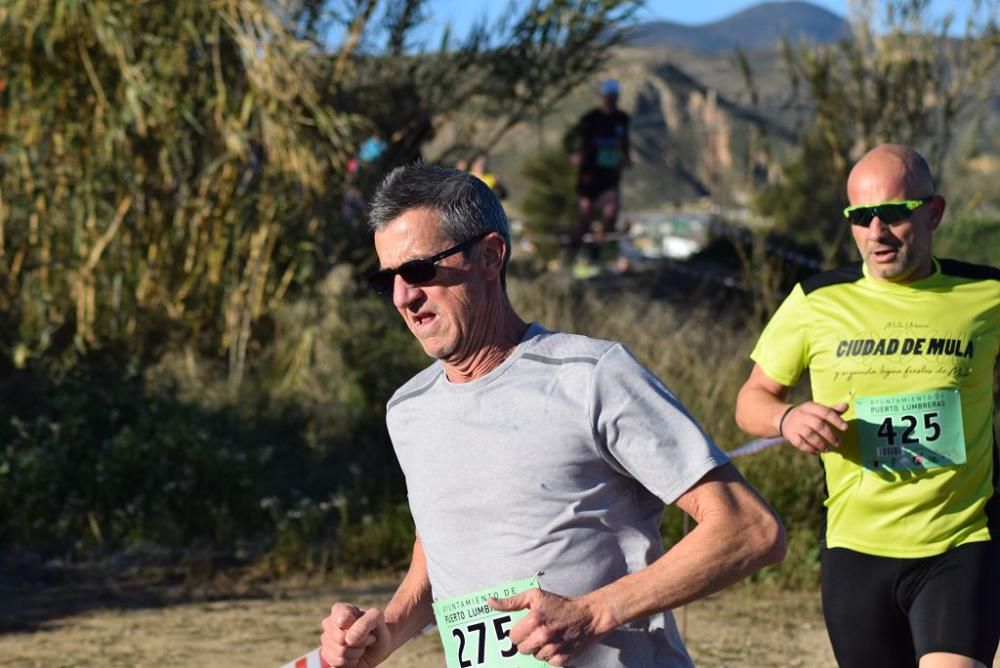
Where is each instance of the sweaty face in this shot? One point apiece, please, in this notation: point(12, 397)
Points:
point(899, 252)
point(439, 313)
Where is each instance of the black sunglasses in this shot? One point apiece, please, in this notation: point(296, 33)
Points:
point(887, 212)
point(417, 271)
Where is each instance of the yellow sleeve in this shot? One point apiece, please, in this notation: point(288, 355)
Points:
point(782, 351)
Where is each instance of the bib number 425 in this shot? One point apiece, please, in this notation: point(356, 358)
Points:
point(908, 424)
point(915, 431)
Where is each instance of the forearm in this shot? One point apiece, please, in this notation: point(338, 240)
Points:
point(704, 562)
point(730, 541)
point(759, 411)
point(410, 610)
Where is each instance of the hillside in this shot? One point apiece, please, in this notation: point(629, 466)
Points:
point(758, 27)
point(692, 125)
point(696, 132)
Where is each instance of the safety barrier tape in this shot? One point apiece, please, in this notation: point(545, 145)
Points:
point(310, 660)
point(771, 248)
point(775, 249)
point(756, 446)
point(710, 275)
point(314, 660)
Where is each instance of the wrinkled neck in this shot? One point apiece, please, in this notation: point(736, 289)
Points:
point(492, 338)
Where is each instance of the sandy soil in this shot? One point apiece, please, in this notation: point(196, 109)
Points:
point(221, 623)
point(88, 625)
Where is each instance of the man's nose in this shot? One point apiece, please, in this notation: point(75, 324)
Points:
point(403, 293)
point(876, 228)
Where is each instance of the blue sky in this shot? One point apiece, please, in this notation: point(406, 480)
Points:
point(462, 13)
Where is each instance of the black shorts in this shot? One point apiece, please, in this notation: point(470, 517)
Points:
point(887, 612)
point(592, 183)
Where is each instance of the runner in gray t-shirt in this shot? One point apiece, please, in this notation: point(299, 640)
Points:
point(538, 455)
point(567, 475)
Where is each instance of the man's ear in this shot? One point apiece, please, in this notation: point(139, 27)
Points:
point(492, 254)
point(937, 206)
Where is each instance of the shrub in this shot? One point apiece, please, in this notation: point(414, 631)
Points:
point(299, 466)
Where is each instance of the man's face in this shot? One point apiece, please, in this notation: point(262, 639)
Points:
point(901, 251)
point(440, 313)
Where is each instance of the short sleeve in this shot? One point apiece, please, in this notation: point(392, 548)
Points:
point(644, 431)
point(782, 349)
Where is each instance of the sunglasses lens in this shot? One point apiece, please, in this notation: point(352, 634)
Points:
point(860, 217)
point(414, 272)
point(887, 213)
point(893, 213)
point(381, 281)
point(417, 271)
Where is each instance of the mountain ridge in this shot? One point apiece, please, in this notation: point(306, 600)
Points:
point(760, 26)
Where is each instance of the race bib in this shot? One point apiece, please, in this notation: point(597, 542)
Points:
point(905, 432)
point(474, 634)
point(608, 157)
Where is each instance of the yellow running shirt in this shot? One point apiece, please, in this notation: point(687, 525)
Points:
point(917, 467)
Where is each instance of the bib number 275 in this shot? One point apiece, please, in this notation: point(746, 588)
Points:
point(474, 635)
point(472, 638)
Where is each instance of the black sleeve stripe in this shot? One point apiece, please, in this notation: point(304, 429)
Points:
point(977, 272)
point(846, 274)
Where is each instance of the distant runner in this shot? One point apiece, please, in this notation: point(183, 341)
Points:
point(901, 350)
point(481, 170)
point(601, 149)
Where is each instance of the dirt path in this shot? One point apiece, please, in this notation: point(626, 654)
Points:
point(746, 626)
point(113, 625)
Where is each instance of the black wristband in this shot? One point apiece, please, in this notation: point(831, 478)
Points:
point(781, 422)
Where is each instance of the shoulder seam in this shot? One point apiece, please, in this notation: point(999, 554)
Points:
point(849, 273)
point(545, 359)
point(961, 269)
point(412, 393)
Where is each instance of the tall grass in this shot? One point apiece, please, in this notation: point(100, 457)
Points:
point(297, 472)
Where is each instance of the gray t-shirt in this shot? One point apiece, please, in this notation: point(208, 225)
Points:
point(558, 461)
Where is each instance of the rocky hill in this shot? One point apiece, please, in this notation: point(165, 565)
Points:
point(695, 133)
point(696, 130)
point(757, 27)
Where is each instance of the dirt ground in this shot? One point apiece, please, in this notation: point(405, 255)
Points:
point(66, 624)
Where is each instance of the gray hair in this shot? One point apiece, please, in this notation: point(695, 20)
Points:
point(467, 207)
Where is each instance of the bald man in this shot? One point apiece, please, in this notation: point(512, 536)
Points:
point(900, 349)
